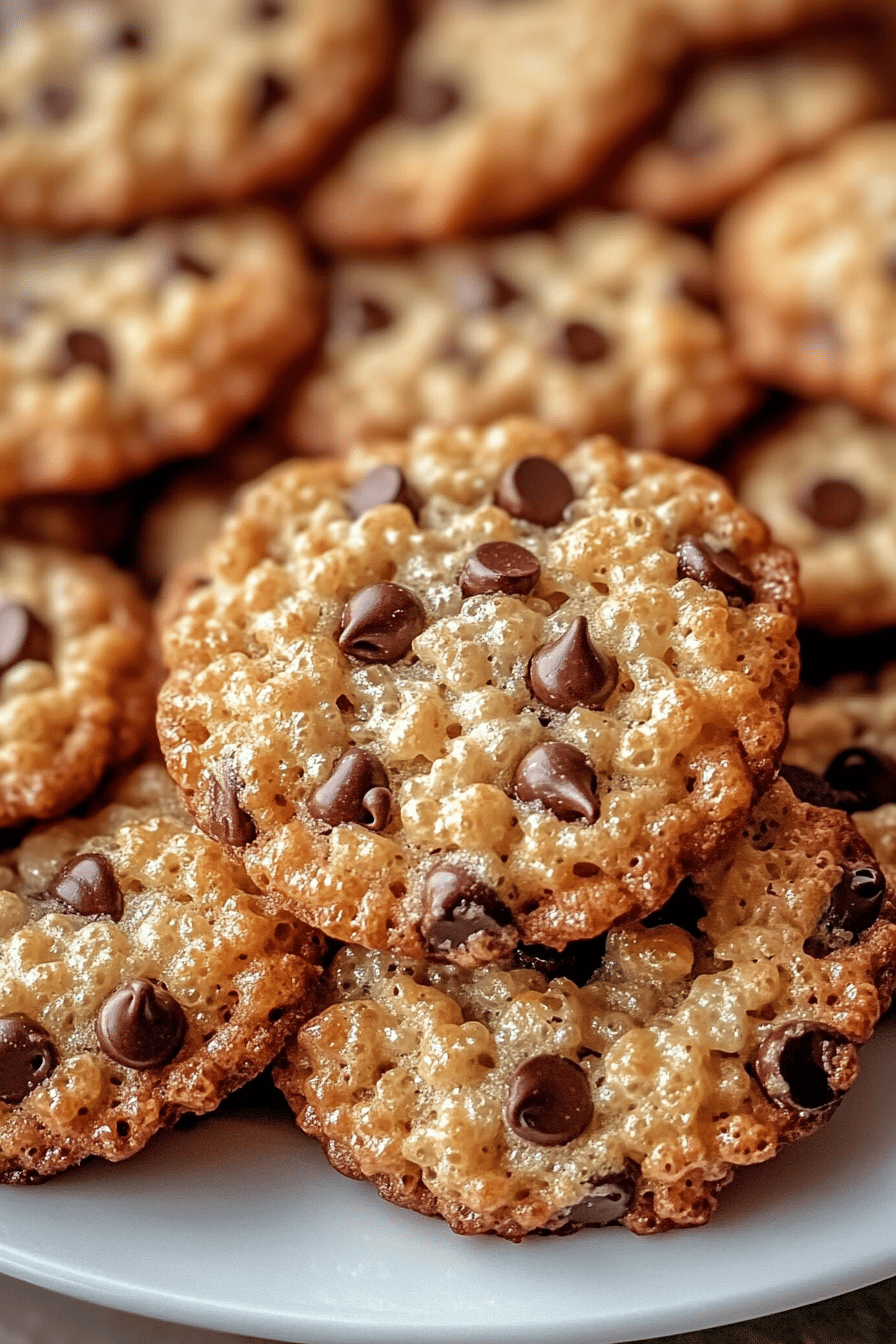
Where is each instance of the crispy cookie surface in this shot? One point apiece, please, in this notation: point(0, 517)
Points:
point(79, 677)
point(510, 1100)
point(151, 976)
point(114, 113)
point(713, 21)
point(603, 324)
point(118, 352)
point(410, 742)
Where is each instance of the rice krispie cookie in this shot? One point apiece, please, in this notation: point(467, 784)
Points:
point(807, 264)
point(604, 323)
point(78, 676)
point(142, 976)
point(115, 113)
point(741, 116)
point(480, 686)
point(630, 1088)
point(499, 110)
point(118, 352)
point(824, 484)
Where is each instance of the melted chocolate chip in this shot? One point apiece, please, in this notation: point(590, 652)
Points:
point(456, 906)
point(426, 101)
point(82, 347)
point(227, 821)
point(128, 39)
point(27, 1057)
point(266, 11)
point(141, 1025)
point(357, 790)
point(380, 623)
point(499, 567)
point(355, 316)
point(570, 671)
point(382, 485)
point(868, 774)
point(561, 778)
point(23, 636)
point(269, 92)
point(577, 962)
point(720, 570)
point(804, 1066)
point(608, 1200)
point(483, 290)
point(549, 1101)
point(817, 792)
point(581, 342)
point(87, 885)
point(833, 504)
point(684, 909)
point(54, 103)
point(699, 290)
point(535, 490)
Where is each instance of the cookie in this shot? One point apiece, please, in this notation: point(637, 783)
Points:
point(824, 484)
point(602, 324)
point(628, 1085)
point(114, 114)
point(79, 677)
point(738, 117)
point(807, 266)
point(719, 21)
point(142, 977)
point(480, 686)
point(499, 110)
point(119, 352)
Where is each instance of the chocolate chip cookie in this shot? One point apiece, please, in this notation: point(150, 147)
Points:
point(112, 113)
point(625, 1080)
point(604, 323)
point(823, 483)
point(713, 21)
point(807, 265)
point(78, 677)
point(119, 352)
point(480, 687)
point(142, 976)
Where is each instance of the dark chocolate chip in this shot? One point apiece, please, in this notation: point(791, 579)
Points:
point(578, 960)
point(226, 820)
point(54, 103)
point(804, 1066)
point(608, 1200)
point(270, 91)
point(833, 503)
point(699, 290)
point(856, 900)
point(128, 39)
point(27, 1057)
point(561, 778)
point(684, 909)
point(570, 671)
point(426, 101)
point(549, 1101)
point(581, 342)
point(482, 290)
point(82, 347)
point(456, 906)
point(141, 1025)
point(868, 774)
point(380, 623)
point(720, 570)
point(499, 567)
point(357, 790)
point(23, 636)
point(354, 316)
point(266, 11)
point(536, 490)
point(87, 885)
point(817, 792)
point(383, 485)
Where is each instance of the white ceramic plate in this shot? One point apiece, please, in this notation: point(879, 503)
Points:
point(239, 1225)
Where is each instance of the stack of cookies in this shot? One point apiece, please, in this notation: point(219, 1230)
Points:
point(422, 737)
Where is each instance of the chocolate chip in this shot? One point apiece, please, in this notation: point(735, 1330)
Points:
point(141, 1025)
point(357, 790)
point(354, 316)
point(54, 103)
point(578, 960)
point(856, 900)
point(129, 39)
point(699, 290)
point(425, 101)
point(817, 792)
point(382, 485)
point(227, 821)
point(867, 774)
point(482, 290)
point(178, 262)
point(456, 906)
point(720, 570)
point(535, 490)
point(23, 636)
point(804, 1066)
point(82, 347)
point(87, 885)
point(27, 1057)
point(549, 1101)
point(684, 909)
point(561, 777)
point(266, 11)
point(269, 92)
point(833, 503)
point(380, 623)
point(499, 567)
point(570, 671)
point(608, 1200)
point(581, 342)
